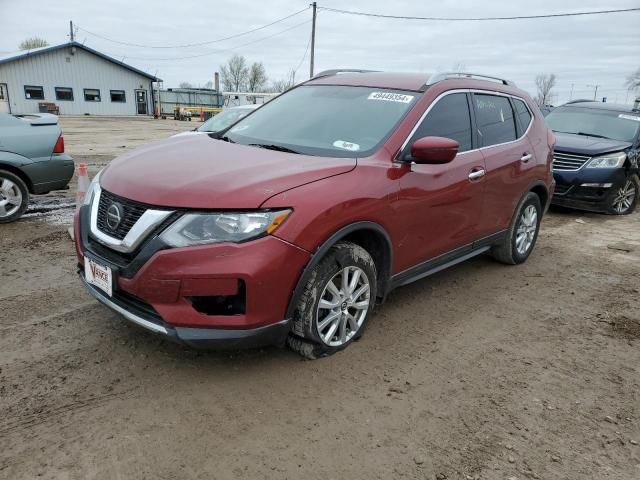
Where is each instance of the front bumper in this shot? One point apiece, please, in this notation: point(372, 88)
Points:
point(571, 193)
point(220, 295)
point(274, 334)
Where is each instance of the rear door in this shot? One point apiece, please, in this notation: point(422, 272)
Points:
point(508, 157)
point(441, 205)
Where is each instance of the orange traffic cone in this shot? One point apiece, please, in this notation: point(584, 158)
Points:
point(83, 184)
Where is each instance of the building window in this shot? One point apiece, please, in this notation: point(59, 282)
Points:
point(33, 93)
point(64, 93)
point(117, 96)
point(91, 95)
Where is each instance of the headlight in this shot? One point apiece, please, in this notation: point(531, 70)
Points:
point(610, 160)
point(203, 228)
point(93, 188)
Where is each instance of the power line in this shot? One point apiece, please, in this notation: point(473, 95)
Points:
point(303, 56)
point(213, 52)
point(478, 19)
point(188, 45)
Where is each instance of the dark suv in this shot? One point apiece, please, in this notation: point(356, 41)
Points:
point(596, 156)
point(293, 223)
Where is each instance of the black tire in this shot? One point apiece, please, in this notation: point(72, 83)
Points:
point(617, 207)
point(306, 338)
point(18, 184)
point(507, 251)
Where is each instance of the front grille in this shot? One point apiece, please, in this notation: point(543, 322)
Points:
point(562, 189)
point(131, 212)
point(567, 162)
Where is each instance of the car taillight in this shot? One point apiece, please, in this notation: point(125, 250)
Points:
point(59, 147)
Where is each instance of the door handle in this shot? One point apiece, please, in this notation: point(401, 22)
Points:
point(526, 157)
point(476, 174)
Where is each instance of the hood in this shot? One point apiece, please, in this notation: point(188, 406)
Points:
point(196, 171)
point(580, 144)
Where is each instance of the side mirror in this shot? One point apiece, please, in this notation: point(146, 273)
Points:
point(434, 150)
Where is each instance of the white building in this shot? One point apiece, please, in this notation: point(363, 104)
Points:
point(77, 80)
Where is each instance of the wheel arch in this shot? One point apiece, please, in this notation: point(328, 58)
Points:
point(19, 173)
point(540, 189)
point(369, 235)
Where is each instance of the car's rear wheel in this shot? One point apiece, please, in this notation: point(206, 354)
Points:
point(336, 302)
point(625, 199)
point(14, 197)
point(521, 237)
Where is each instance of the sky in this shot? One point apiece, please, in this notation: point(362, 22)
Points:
point(581, 51)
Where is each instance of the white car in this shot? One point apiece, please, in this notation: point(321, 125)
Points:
point(221, 121)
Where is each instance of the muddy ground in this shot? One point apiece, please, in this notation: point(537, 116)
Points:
point(482, 371)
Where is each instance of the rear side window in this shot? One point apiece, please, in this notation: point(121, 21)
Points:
point(523, 114)
point(449, 118)
point(494, 118)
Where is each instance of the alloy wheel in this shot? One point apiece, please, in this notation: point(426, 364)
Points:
point(343, 306)
point(10, 198)
point(526, 231)
point(624, 197)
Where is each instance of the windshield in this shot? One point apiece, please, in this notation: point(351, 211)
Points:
point(328, 120)
point(223, 119)
point(594, 122)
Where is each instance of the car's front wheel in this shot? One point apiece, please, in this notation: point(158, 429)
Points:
point(14, 197)
point(626, 196)
point(336, 302)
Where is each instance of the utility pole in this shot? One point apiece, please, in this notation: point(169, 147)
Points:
point(313, 40)
point(595, 92)
point(71, 30)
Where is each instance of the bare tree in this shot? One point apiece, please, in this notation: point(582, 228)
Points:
point(33, 42)
point(208, 84)
point(279, 86)
point(633, 80)
point(257, 77)
point(185, 85)
point(545, 84)
point(458, 67)
point(235, 73)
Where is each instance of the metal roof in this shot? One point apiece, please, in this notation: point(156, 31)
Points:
point(38, 51)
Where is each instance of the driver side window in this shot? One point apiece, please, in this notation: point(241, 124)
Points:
point(449, 118)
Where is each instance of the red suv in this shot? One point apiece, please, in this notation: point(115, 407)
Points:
point(294, 222)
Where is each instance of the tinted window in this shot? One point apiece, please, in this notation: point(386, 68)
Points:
point(494, 118)
point(524, 116)
point(33, 93)
point(64, 93)
point(449, 118)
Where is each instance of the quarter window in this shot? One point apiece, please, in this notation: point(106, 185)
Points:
point(449, 118)
point(523, 114)
point(33, 93)
point(64, 93)
point(494, 118)
point(91, 95)
point(117, 96)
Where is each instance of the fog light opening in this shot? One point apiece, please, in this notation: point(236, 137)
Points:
point(221, 304)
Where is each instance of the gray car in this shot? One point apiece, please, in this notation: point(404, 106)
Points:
point(32, 161)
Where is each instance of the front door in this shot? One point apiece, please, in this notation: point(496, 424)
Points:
point(141, 102)
point(4, 98)
point(441, 206)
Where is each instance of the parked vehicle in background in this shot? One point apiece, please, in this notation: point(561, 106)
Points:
point(32, 161)
point(221, 121)
point(596, 156)
point(300, 217)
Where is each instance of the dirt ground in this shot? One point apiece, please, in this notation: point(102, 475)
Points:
point(479, 372)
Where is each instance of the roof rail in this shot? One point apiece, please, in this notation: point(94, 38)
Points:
point(336, 71)
point(438, 77)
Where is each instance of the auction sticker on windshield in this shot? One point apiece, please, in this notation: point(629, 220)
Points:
point(98, 275)
point(390, 97)
point(354, 147)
